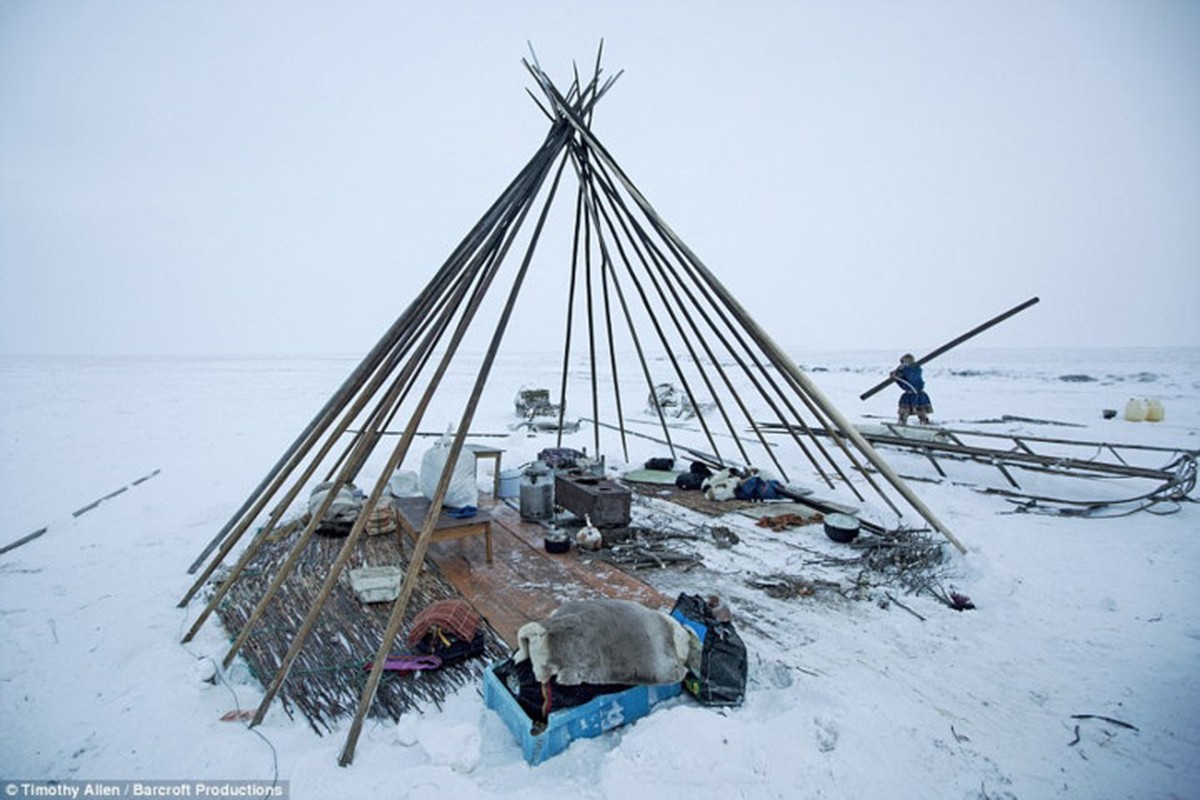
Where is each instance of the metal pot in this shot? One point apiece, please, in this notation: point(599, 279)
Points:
point(841, 528)
point(556, 542)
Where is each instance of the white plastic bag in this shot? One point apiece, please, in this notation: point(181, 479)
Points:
point(462, 490)
point(404, 483)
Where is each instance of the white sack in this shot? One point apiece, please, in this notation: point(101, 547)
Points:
point(404, 483)
point(462, 490)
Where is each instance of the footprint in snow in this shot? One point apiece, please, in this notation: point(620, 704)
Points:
point(827, 734)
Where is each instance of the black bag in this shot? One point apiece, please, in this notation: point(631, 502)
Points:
point(449, 647)
point(448, 629)
point(689, 480)
point(560, 457)
point(723, 662)
point(665, 464)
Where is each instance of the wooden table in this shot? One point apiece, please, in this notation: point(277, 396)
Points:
point(414, 510)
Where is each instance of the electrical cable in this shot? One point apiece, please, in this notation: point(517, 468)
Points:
point(219, 676)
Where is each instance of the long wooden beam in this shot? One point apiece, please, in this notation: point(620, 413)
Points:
point(270, 483)
point(774, 353)
point(742, 346)
point(955, 342)
point(400, 607)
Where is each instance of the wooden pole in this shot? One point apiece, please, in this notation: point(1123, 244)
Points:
point(699, 455)
point(772, 350)
point(353, 383)
point(662, 336)
point(367, 443)
point(653, 260)
point(23, 540)
point(566, 359)
point(612, 357)
point(582, 170)
point(678, 327)
point(954, 343)
point(637, 346)
point(591, 324)
point(426, 535)
point(735, 351)
point(611, 276)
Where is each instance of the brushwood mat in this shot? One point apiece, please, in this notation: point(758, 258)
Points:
point(328, 676)
point(694, 499)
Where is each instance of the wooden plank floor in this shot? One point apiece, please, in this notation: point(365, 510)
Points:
point(525, 583)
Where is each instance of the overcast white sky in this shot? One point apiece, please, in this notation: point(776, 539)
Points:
point(281, 177)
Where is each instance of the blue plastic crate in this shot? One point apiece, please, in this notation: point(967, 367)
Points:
point(593, 718)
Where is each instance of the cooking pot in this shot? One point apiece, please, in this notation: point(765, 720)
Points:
point(841, 527)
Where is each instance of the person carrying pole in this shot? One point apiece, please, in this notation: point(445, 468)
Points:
point(913, 400)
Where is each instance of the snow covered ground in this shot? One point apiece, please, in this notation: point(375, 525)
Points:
point(846, 699)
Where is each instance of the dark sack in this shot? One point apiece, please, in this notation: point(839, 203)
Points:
point(449, 647)
point(448, 629)
point(722, 678)
point(560, 457)
point(756, 488)
point(537, 700)
point(689, 480)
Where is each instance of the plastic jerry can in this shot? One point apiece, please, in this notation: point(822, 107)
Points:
point(1135, 410)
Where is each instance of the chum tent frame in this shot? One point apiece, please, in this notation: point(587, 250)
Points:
point(632, 281)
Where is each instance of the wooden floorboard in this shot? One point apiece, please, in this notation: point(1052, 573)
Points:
point(524, 583)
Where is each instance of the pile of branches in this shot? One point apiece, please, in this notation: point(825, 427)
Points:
point(782, 586)
point(909, 559)
point(652, 548)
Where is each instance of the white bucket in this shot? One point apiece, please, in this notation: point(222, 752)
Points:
point(510, 483)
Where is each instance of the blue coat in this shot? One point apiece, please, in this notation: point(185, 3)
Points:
point(913, 383)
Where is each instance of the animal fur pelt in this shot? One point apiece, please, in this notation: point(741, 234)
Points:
point(721, 485)
point(606, 641)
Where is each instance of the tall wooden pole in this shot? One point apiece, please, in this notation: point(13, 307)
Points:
point(726, 327)
point(400, 606)
point(996, 320)
point(773, 351)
